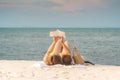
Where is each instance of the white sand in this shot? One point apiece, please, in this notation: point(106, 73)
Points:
point(31, 70)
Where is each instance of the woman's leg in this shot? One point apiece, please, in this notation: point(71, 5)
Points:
point(66, 54)
point(57, 48)
point(66, 48)
point(56, 59)
point(49, 51)
point(51, 57)
point(46, 56)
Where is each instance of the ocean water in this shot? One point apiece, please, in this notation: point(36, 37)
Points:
point(98, 45)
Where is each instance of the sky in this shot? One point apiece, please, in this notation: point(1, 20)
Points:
point(60, 13)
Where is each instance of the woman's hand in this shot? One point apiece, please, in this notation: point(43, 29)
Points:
point(55, 38)
point(61, 38)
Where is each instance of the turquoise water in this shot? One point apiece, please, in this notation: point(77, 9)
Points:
point(98, 45)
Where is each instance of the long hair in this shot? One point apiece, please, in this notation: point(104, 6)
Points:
point(66, 59)
point(56, 59)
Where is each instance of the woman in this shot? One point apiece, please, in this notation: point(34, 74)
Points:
point(58, 52)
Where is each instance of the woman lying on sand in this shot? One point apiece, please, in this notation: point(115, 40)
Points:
point(58, 52)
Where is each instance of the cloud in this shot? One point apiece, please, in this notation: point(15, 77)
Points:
point(25, 4)
point(47, 4)
point(55, 5)
point(73, 5)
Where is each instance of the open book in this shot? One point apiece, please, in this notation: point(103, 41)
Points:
point(57, 33)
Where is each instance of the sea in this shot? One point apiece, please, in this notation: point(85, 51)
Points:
point(97, 45)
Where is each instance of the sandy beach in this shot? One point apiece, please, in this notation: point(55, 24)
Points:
point(33, 70)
